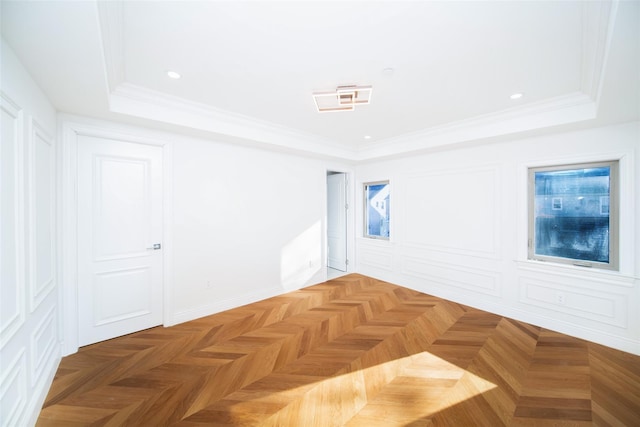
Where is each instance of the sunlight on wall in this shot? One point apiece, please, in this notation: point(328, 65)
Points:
point(301, 258)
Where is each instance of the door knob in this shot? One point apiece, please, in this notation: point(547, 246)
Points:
point(155, 246)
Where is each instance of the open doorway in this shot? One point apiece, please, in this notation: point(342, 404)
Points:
point(337, 206)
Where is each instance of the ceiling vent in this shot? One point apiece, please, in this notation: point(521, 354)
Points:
point(344, 98)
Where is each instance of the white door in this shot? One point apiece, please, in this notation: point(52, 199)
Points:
point(119, 238)
point(337, 221)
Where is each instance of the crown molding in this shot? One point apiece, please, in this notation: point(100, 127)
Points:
point(129, 99)
point(598, 22)
point(553, 112)
point(149, 104)
point(597, 30)
point(111, 20)
point(133, 100)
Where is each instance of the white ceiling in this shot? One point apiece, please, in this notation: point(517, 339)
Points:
point(249, 68)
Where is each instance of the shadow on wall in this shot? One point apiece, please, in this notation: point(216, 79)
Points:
point(301, 258)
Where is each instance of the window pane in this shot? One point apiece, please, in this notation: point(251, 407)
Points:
point(571, 213)
point(377, 210)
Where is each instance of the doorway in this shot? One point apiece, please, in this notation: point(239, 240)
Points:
point(337, 208)
point(119, 258)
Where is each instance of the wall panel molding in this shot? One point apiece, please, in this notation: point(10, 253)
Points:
point(43, 345)
point(585, 277)
point(471, 279)
point(219, 306)
point(599, 306)
point(13, 390)
point(41, 195)
point(12, 220)
point(470, 199)
point(450, 251)
point(111, 16)
point(379, 255)
point(589, 303)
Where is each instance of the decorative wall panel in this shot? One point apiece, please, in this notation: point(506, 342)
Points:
point(454, 211)
point(13, 390)
point(108, 286)
point(377, 256)
point(28, 323)
point(601, 306)
point(41, 214)
point(12, 307)
point(460, 230)
point(43, 341)
point(471, 279)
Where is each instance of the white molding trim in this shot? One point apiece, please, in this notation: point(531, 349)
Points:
point(141, 102)
point(610, 338)
point(127, 98)
point(68, 238)
point(138, 101)
point(72, 127)
point(226, 304)
point(14, 380)
point(42, 388)
point(597, 31)
point(9, 329)
point(43, 355)
point(496, 252)
point(39, 291)
point(542, 293)
point(485, 282)
point(557, 111)
point(376, 257)
point(111, 20)
point(608, 277)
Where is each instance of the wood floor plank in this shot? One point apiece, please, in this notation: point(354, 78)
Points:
point(352, 351)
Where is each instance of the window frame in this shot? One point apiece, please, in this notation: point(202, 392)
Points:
point(365, 205)
point(614, 215)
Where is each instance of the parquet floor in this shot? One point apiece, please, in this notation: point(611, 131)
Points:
point(353, 351)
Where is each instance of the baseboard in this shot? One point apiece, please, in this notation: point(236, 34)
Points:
point(608, 338)
point(41, 389)
point(227, 304)
point(583, 332)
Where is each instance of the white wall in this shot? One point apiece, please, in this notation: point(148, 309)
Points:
point(459, 231)
point(248, 224)
point(29, 328)
point(241, 223)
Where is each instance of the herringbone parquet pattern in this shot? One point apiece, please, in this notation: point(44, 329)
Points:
point(352, 351)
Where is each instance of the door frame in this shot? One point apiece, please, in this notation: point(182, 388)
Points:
point(72, 127)
point(351, 256)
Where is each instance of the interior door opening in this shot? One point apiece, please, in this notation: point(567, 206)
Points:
point(119, 260)
point(337, 207)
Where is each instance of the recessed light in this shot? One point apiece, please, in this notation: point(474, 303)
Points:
point(517, 95)
point(173, 74)
point(388, 72)
point(367, 137)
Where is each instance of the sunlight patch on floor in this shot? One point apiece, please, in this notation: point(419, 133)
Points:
point(370, 396)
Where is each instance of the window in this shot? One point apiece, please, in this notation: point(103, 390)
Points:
point(376, 210)
point(573, 214)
